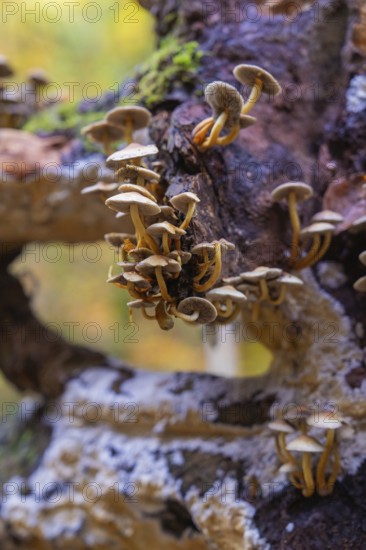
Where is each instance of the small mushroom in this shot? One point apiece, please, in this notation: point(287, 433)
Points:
point(327, 216)
point(293, 192)
point(129, 119)
point(134, 152)
point(180, 256)
point(163, 318)
point(362, 257)
point(143, 305)
point(358, 225)
point(260, 276)
point(38, 81)
point(259, 80)
point(307, 446)
point(185, 203)
point(136, 204)
point(101, 188)
point(230, 297)
point(132, 188)
point(166, 231)
point(317, 250)
point(284, 281)
point(281, 429)
point(159, 265)
point(195, 310)
point(330, 422)
point(119, 240)
point(226, 104)
point(138, 174)
point(104, 133)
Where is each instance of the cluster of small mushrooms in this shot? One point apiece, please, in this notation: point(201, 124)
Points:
point(311, 463)
point(155, 256)
point(15, 106)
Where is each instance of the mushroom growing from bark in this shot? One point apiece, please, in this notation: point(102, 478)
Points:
point(260, 276)
point(294, 192)
point(167, 232)
point(230, 298)
point(100, 188)
point(307, 446)
point(129, 119)
point(259, 80)
point(104, 133)
point(220, 248)
point(142, 305)
point(316, 232)
point(158, 266)
point(185, 203)
point(195, 310)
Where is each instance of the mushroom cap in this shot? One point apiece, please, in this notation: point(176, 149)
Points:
point(158, 229)
point(132, 151)
point(100, 187)
point(223, 97)
point(118, 239)
point(132, 171)
point(261, 272)
point(226, 245)
point(132, 188)
point(150, 263)
point(38, 77)
point(246, 120)
point(320, 228)
point(100, 131)
point(182, 201)
point(288, 468)
point(139, 116)
point(358, 225)
point(140, 254)
point(168, 213)
point(362, 257)
point(302, 191)
point(116, 279)
point(288, 280)
point(226, 292)
point(182, 254)
point(207, 311)
point(127, 266)
point(5, 68)
point(139, 304)
point(248, 74)
point(124, 201)
point(200, 248)
point(327, 216)
point(233, 281)
point(281, 426)
point(325, 420)
point(360, 284)
point(304, 444)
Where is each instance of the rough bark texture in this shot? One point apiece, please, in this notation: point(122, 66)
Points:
point(175, 456)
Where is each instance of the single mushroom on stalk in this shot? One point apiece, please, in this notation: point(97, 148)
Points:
point(316, 232)
point(358, 225)
point(132, 281)
point(259, 80)
point(142, 305)
point(283, 283)
point(130, 119)
point(307, 446)
point(227, 301)
point(159, 266)
point(195, 310)
point(326, 420)
point(186, 203)
point(100, 188)
point(133, 154)
point(118, 241)
point(260, 276)
point(137, 205)
point(138, 175)
point(226, 104)
point(167, 232)
point(294, 192)
point(104, 133)
point(327, 216)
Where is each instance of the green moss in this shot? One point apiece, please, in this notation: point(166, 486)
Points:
point(61, 117)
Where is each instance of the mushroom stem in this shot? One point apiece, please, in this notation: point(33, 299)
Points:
point(216, 130)
point(323, 461)
point(214, 275)
point(230, 137)
point(141, 231)
point(313, 252)
point(225, 313)
point(129, 130)
point(278, 301)
point(189, 215)
point(199, 133)
point(188, 318)
point(295, 222)
point(335, 470)
point(264, 290)
point(320, 253)
point(162, 285)
point(256, 311)
point(204, 267)
point(107, 149)
point(253, 97)
point(165, 243)
point(140, 180)
point(308, 490)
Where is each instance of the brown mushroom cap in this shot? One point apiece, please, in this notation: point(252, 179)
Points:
point(325, 420)
point(123, 202)
point(360, 284)
point(362, 257)
point(149, 265)
point(182, 201)
point(158, 229)
point(101, 131)
point(358, 225)
point(320, 228)
point(304, 444)
point(137, 279)
point(248, 74)
point(139, 116)
point(132, 171)
point(5, 68)
point(261, 272)
point(182, 254)
point(118, 239)
point(100, 187)
point(132, 188)
point(168, 213)
point(207, 312)
point(226, 292)
point(280, 426)
point(132, 151)
point(127, 266)
point(224, 98)
point(38, 77)
point(327, 216)
point(200, 248)
point(140, 254)
point(301, 190)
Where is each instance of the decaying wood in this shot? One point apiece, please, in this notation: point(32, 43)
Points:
point(196, 448)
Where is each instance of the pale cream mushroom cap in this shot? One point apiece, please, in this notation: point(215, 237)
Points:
point(261, 272)
point(358, 225)
point(226, 292)
point(320, 228)
point(182, 201)
point(157, 230)
point(362, 257)
point(118, 239)
point(149, 265)
point(327, 216)
point(100, 131)
point(131, 187)
point(304, 444)
point(140, 117)
point(280, 426)
point(100, 187)
point(248, 74)
point(324, 420)
point(302, 191)
point(360, 284)
point(123, 202)
point(132, 151)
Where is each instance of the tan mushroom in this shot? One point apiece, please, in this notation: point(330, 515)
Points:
point(281, 428)
point(104, 133)
point(221, 247)
point(195, 310)
point(327, 216)
point(134, 152)
point(284, 281)
point(119, 240)
point(316, 232)
point(130, 119)
point(307, 446)
point(143, 305)
point(228, 296)
point(293, 192)
point(100, 188)
point(259, 80)
point(138, 174)
point(362, 257)
point(166, 231)
point(158, 265)
point(132, 188)
point(185, 203)
point(163, 318)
